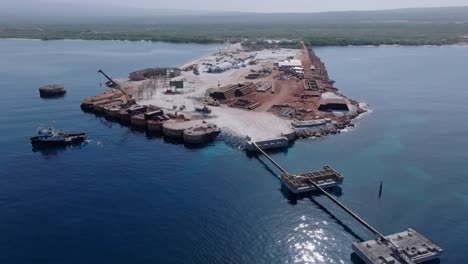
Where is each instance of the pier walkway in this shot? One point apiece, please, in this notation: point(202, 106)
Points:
point(406, 247)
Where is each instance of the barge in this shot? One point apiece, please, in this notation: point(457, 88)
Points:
point(281, 142)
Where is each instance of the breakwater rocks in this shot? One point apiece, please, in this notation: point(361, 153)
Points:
point(320, 127)
point(182, 127)
point(172, 125)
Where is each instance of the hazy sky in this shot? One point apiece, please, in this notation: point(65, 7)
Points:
point(275, 5)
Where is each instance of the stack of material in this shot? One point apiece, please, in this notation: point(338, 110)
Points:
point(154, 114)
point(245, 89)
point(313, 85)
point(252, 76)
point(154, 72)
point(246, 104)
point(111, 96)
point(308, 94)
point(263, 87)
point(234, 90)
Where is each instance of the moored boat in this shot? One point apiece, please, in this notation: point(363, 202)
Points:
point(53, 90)
point(53, 137)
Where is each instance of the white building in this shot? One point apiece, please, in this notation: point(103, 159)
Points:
point(290, 64)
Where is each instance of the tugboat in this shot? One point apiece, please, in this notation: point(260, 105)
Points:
point(52, 137)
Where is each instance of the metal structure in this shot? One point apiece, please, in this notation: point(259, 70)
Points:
point(417, 247)
point(108, 78)
point(117, 86)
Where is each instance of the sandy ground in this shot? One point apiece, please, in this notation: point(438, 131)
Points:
point(257, 125)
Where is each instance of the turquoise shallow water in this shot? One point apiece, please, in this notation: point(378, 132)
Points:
point(127, 198)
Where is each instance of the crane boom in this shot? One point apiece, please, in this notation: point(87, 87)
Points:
point(117, 86)
point(108, 78)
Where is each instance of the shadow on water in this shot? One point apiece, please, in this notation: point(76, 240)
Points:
point(356, 259)
point(174, 141)
point(198, 146)
point(293, 198)
point(336, 220)
point(53, 97)
point(51, 151)
point(253, 154)
point(267, 168)
point(105, 122)
point(154, 135)
point(138, 130)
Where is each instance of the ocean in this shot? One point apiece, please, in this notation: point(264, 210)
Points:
point(125, 197)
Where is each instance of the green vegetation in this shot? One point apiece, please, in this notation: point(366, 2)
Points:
point(263, 44)
point(316, 34)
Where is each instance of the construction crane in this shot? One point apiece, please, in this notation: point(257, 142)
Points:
point(117, 86)
point(111, 82)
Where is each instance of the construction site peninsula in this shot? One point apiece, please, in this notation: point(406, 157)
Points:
point(241, 95)
point(255, 100)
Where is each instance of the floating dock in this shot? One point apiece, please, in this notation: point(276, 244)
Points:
point(281, 142)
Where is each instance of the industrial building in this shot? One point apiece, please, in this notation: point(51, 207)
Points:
point(292, 66)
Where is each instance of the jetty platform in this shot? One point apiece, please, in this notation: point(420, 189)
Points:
point(410, 243)
point(326, 178)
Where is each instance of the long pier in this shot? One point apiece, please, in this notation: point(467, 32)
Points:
point(269, 158)
point(407, 247)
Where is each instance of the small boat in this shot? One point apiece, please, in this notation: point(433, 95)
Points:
point(52, 137)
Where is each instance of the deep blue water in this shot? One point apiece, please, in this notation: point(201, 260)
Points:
point(127, 198)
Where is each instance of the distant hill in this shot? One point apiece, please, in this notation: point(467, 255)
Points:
point(59, 13)
point(416, 26)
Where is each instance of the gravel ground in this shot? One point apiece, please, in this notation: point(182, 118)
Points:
point(256, 125)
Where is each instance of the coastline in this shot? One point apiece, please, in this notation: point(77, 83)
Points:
point(222, 42)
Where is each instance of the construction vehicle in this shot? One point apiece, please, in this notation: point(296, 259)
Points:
point(203, 109)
